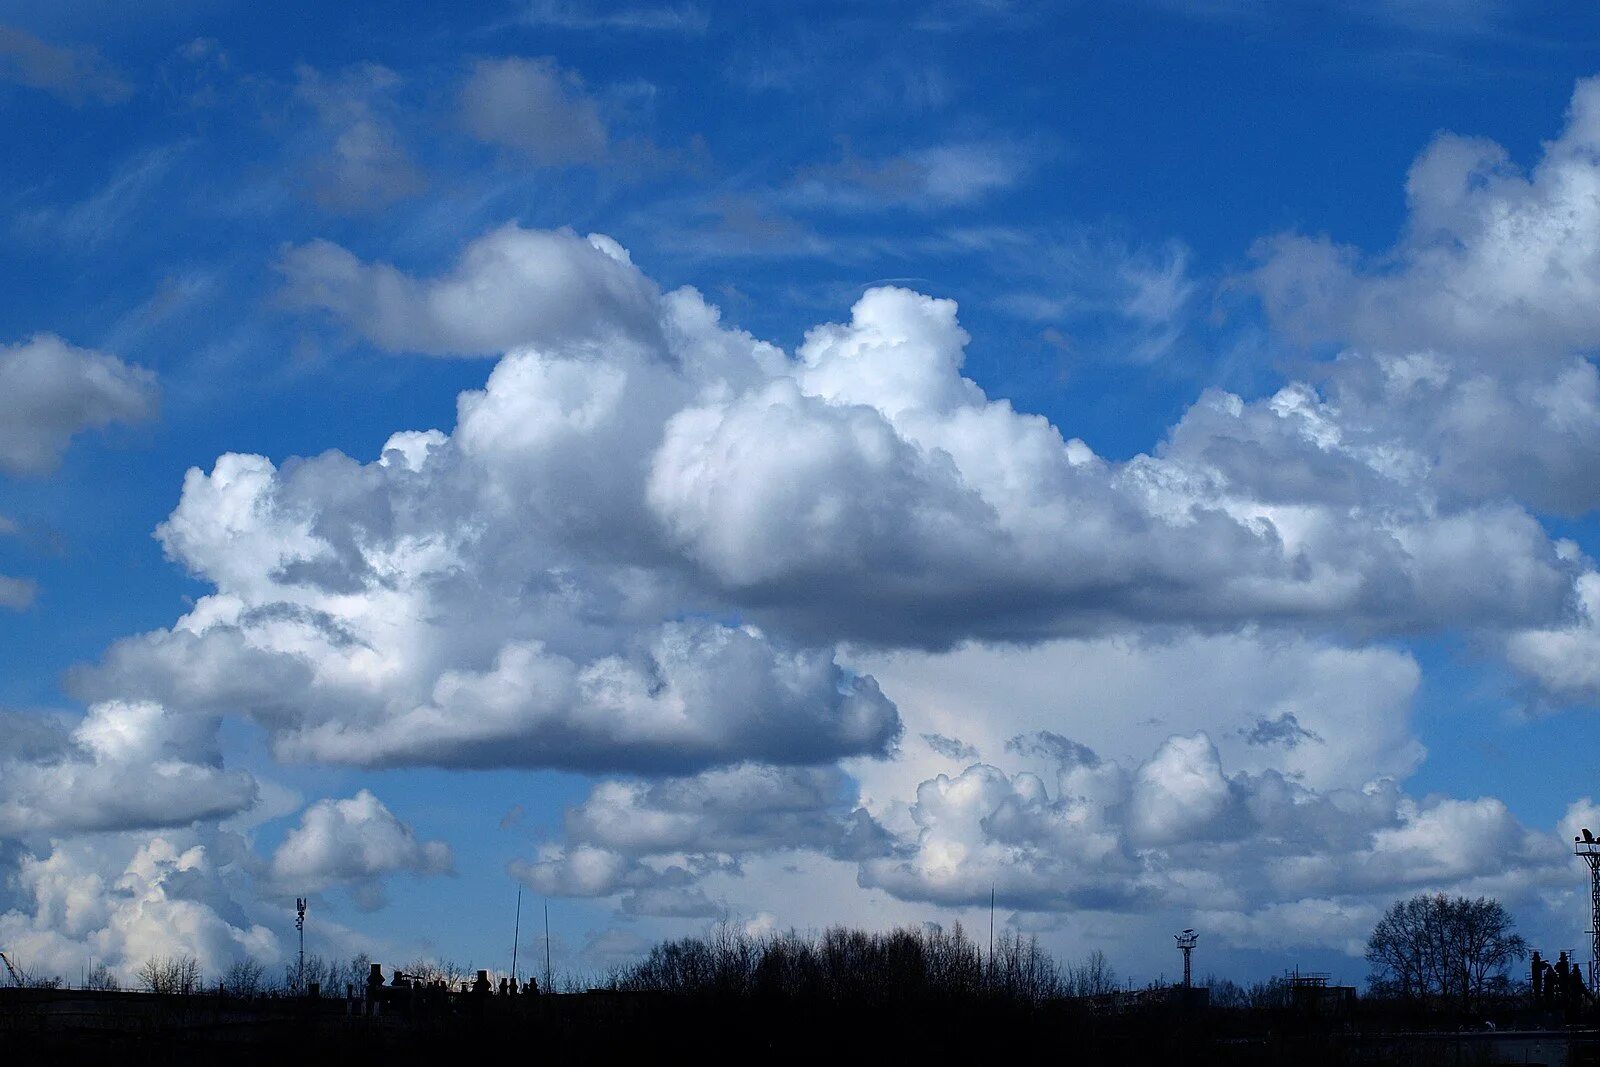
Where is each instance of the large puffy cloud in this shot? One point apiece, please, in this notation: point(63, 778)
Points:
point(897, 482)
point(876, 474)
point(1467, 343)
point(652, 842)
point(683, 695)
point(986, 830)
point(121, 900)
point(1261, 859)
point(1494, 262)
point(1328, 716)
point(125, 765)
point(50, 391)
point(647, 532)
point(694, 694)
point(406, 612)
point(1564, 660)
point(1298, 788)
point(1111, 777)
point(1178, 831)
point(1469, 361)
point(353, 842)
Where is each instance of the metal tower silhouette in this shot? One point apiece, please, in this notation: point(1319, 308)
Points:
point(300, 925)
point(1186, 942)
point(1588, 849)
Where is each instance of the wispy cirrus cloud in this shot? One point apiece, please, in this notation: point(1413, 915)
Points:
point(939, 176)
point(104, 214)
point(681, 18)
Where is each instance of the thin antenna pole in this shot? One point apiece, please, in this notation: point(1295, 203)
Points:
point(516, 938)
point(547, 988)
point(991, 929)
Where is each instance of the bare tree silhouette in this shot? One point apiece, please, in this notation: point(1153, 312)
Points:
point(170, 974)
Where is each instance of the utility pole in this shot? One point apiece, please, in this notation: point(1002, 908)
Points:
point(547, 988)
point(991, 929)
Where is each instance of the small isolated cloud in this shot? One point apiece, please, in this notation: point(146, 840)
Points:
point(1062, 751)
point(50, 391)
point(358, 161)
point(535, 108)
point(76, 75)
point(200, 74)
point(1284, 730)
point(690, 19)
point(16, 593)
point(950, 747)
point(354, 843)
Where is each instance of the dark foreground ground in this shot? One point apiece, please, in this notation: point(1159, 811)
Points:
point(61, 1027)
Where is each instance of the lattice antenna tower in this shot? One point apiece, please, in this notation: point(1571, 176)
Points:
point(300, 926)
point(1186, 942)
point(1588, 849)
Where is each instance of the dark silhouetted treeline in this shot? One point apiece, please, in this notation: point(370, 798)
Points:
point(927, 991)
point(842, 964)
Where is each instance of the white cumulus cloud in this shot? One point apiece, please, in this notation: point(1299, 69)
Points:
point(534, 107)
point(50, 391)
point(353, 842)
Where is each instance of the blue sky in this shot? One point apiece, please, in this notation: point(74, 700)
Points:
point(1355, 603)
